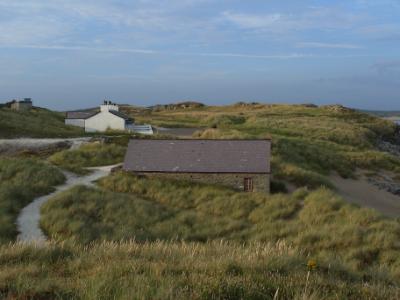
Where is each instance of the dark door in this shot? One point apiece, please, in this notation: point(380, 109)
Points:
point(248, 184)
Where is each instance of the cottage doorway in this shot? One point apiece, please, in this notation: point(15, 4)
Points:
point(248, 184)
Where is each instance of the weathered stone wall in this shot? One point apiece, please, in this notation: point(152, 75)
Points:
point(21, 106)
point(261, 182)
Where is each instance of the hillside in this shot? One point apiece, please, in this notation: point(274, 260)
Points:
point(272, 243)
point(36, 123)
point(309, 142)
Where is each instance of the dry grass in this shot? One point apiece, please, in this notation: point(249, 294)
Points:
point(175, 270)
point(36, 123)
point(318, 222)
point(88, 155)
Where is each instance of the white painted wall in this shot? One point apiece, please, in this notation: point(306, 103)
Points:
point(75, 122)
point(103, 121)
point(108, 107)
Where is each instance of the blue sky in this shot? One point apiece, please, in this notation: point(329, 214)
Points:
point(71, 54)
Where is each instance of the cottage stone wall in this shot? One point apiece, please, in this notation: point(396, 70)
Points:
point(21, 106)
point(261, 182)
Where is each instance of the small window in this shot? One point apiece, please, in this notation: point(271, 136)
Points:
point(248, 184)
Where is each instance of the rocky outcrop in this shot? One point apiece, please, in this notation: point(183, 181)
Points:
point(384, 182)
point(337, 108)
point(389, 147)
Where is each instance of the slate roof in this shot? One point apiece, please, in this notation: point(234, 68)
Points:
point(80, 114)
point(89, 114)
point(198, 156)
point(121, 115)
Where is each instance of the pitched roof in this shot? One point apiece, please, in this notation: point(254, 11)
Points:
point(121, 115)
point(80, 114)
point(198, 156)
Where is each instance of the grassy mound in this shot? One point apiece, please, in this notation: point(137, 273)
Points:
point(317, 222)
point(36, 123)
point(161, 270)
point(309, 142)
point(89, 155)
point(20, 182)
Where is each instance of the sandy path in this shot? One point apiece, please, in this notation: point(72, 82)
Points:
point(28, 220)
point(39, 143)
point(365, 194)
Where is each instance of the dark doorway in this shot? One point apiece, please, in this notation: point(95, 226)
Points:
point(248, 184)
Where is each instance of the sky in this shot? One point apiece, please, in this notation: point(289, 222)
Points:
point(70, 54)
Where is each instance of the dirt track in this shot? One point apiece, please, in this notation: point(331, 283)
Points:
point(8, 145)
point(29, 218)
point(365, 194)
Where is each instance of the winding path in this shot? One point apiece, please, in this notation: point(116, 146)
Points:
point(29, 218)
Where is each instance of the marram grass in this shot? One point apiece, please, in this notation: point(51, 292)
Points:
point(179, 270)
point(318, 222)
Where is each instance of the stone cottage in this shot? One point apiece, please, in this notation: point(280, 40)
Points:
point(20, 105)
point(241, 164)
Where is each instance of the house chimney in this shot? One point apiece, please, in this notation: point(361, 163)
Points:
point(108, 105)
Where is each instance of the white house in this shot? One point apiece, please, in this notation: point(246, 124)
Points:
point(109, 117)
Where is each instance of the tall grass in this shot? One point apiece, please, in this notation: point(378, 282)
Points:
point(88, 155)
point(176, 270)
point(36, 123)
point(318, 222)
point(20, 182)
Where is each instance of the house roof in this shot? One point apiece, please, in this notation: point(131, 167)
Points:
point(81, 114)
point(121, 115)
point(198, 156)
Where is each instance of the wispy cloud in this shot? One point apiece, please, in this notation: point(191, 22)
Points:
point(80, 48)
point(315, 18)
point(251, 21)
point(327, 45)
point(154, 52)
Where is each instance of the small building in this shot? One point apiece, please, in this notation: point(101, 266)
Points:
point(242, 164)
point(108, 117)
point(141, 129)
point(20, 105)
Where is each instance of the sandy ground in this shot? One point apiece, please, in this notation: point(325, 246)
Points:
point(28, 220)
point(365, 194)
